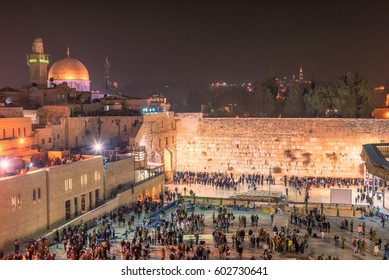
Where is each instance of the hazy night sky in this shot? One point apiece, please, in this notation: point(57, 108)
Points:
point(200, 41)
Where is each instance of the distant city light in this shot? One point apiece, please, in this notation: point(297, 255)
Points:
point(21, 141)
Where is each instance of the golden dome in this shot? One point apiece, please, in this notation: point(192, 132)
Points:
point(68, 69)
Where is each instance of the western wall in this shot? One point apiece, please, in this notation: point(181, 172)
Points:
point(284, 146)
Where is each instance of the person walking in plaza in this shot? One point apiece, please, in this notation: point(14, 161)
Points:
point(363, 248)
point(359, 230)
point(197, 236)
point(383, 221)
point(376, 250)
point(240, 251)
point(352, 226)
point(17, 246)
point(354, 246)
point(336, 238)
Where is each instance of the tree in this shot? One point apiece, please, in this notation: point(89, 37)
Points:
point(195, 100)
point(265, 98)
point(318, 101)
point(349, 96)
point(294, 103)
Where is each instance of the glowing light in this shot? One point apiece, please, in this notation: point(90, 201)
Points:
point(21, 141)
point(43, 60)
point(380, 88)
point(98, 147)
point(32, 60)
point(4, 164)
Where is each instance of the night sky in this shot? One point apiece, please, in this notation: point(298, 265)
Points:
point(200, 41)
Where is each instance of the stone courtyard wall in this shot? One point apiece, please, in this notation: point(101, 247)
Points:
point(298, 146)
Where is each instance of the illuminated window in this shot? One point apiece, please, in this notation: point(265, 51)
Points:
point(68, 184)
point(97, 176)
point(19, 201)
point(84, 180)
point(13, 201)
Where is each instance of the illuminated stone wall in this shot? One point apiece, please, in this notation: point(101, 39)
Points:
point(20, 215)
point(119, 172)
point(158, 134)
point(314, 147)
point(91, 170)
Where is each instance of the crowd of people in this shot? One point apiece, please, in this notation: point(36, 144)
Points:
point(64, 160)
point(178, 234)
point(227, 180)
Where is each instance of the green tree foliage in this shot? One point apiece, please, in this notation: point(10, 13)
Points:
point(265, 98)
point(318, 101)
point(349, 96)
point(294, 103)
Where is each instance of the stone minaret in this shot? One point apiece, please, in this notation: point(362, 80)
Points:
point(301, 75)
point(37, 63)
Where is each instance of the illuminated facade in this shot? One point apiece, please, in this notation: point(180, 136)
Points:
point(37, 63)
point(71, 71)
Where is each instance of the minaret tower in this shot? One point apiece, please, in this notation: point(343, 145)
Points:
point(301, 75)
point(107, 65)
point(37, 63)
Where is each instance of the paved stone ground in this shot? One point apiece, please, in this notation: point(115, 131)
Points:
point(317, 246)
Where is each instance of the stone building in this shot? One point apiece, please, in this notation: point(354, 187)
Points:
point(11, 97)
point(42, 199)
point(16, 133)
point(155, 131)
